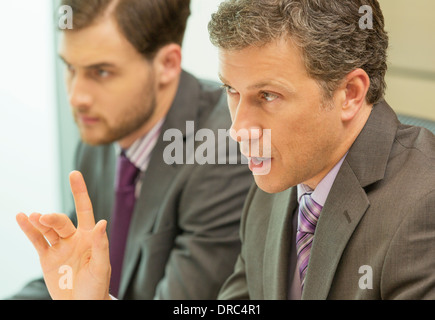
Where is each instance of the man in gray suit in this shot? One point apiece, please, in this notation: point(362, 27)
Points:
point(127, 89)
point(348, 208)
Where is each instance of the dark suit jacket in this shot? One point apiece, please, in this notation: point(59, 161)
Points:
point(183, 240)
point(377, 226)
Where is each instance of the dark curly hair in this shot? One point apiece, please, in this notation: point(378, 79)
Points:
point(327, 31)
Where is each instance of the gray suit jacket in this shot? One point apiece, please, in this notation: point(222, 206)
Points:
point(183, 240)
point(375, 238)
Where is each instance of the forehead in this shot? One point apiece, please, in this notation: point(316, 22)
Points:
point(276, 60)
point(102, 41)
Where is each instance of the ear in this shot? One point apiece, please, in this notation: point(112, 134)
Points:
point(355, 88)
point(168, 64)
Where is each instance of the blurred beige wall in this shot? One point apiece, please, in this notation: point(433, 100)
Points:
point(411, 75)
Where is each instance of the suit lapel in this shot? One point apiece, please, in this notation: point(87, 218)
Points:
point(106, 194)
point(277, 248)
point(337, 222)
point(157, 179)
point(347, 201)
point(155, 182)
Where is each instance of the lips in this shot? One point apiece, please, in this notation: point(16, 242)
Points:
point(260, 166)
point(257, 160)
point(88, 120)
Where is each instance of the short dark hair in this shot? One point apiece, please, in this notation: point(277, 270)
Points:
point(327, 31)
point(147, 24)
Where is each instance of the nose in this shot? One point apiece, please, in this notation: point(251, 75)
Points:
point(79, 93)
point(246, 125)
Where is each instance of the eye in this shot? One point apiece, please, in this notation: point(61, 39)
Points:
point(101, 73)
point(269, 97)
point(229, 89)
point(70, 68)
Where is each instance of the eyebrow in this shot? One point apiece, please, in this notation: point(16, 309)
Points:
point(93, 66)
point(263, 84)
point(222, 79)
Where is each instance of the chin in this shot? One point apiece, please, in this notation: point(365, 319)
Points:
point(271, 185)
point(95, 141)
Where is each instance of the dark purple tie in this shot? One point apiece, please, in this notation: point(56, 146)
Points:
point(126, 174)
point(309, 212)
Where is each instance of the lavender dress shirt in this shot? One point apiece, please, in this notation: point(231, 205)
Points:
point(320, 194)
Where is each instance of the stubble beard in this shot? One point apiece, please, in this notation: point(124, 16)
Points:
point(134, 118)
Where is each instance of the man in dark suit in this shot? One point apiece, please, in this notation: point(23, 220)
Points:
point(127, 89)
point(348, 208)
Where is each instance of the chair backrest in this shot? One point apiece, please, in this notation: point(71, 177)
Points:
point(419, 122)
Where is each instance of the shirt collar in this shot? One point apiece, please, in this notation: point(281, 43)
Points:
point(320, 194)
point(139, 153)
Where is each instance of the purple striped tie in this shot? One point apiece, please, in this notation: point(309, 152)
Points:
point(126, 174)
point(309, 212)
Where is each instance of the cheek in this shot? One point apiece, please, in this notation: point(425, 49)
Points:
point(113, 99)
point(292, 137)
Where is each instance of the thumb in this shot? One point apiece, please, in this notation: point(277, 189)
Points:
point(100, 259)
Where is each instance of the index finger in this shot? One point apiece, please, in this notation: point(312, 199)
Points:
point(85, 213)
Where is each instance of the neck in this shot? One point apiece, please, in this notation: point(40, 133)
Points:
point(164, 99)
point(353, 129)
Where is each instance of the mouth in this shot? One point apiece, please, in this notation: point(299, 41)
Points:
point(260, 166)
point(257, 160)
point(88, 121)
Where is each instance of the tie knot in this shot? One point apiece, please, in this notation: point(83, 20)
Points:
point(309, 212)
point(126, 172)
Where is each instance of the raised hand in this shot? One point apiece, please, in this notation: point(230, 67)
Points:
point(75, 261)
